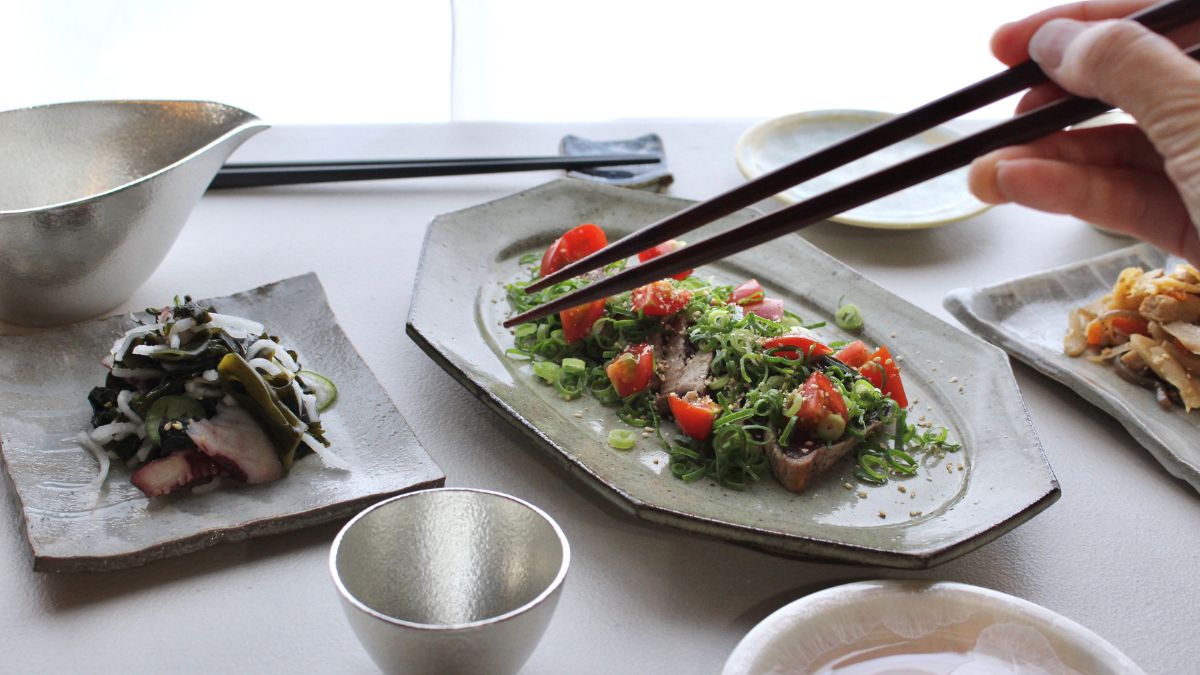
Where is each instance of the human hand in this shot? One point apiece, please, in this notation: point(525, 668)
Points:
point(1142, 180)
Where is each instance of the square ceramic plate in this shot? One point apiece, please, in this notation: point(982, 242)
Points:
point(1027, 317)
point(952, 506)
point(44, 382)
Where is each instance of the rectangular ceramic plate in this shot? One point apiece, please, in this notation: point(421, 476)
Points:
point(953, 505)
point(44, 382)
point(1028, 317)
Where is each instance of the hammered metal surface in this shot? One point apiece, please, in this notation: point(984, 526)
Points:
point(93, 194)
point(450, 580)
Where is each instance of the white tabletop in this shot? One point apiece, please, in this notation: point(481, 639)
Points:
point(1118, 553)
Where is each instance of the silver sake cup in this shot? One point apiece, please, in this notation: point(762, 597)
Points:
point(450, 580)
point(93, 194)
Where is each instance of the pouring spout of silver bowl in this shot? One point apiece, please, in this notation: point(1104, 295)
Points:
point(93, 194)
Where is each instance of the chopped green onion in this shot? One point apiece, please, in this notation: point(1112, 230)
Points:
point(849, 317)
point(547, 370)
point(573, 366)
point(622, 439)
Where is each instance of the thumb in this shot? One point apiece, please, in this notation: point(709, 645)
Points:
point(1126, 65)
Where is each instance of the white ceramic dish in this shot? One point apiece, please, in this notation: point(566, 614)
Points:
point(783, 140)
point(1027, 317)
point(921, 627)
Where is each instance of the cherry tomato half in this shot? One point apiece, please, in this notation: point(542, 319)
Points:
point(577, 321)
point(820, 398)
point(802, 345)
point(694, 415)
point(854, 354)
point(881, 370)
point(631, 370)
point(579, 242)
point(669, 246)
point(660, 298)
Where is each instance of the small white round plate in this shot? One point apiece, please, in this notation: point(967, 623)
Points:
point(921, 628)
point(783, 140)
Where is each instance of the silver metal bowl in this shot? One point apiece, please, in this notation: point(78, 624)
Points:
point(450, 580)
point(93, 194)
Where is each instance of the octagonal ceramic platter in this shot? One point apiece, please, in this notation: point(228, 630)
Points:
point(953, 505)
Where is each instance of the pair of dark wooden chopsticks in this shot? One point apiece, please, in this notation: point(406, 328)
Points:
point(1029, 126)
point(292, 173)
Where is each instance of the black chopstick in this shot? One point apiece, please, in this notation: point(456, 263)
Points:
point(291, 173)
point(1159, 18)
point(1020, 129)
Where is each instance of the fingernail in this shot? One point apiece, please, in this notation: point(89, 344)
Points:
point(1050, 41)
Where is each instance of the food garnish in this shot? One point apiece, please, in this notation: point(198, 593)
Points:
point(1148, 329)
point(750, 387)
point(193, 395)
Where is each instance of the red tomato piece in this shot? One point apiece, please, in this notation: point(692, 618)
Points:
point(579, 242)
point(669, 246)
point(820, 398)
point(694, 415)
point(854, 354)
point(631, 370)
point(770, 308)
point(881, 370)
point(800, 344)
point(577, 321)
point(748, 293)
point(660, 298)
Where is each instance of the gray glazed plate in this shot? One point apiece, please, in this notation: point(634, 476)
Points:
point(1028, 317)
point(44, 381)
point(960, 381)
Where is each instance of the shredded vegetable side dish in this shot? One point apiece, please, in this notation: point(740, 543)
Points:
point(1148, 329)
point(751, 388)
point(193, 396)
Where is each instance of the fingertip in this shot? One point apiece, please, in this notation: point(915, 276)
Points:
point(1009, 43)
point(983, 179)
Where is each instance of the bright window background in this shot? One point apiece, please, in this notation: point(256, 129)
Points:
point(359, 61)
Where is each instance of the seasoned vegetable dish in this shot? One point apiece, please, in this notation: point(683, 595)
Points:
point(1148, 329)
point(193, 395)
point(749, 385)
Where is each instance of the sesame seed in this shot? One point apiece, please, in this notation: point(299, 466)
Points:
point(953, 380)
point(914, 514)
point(862, 494)
point(883, 514)
point(579, 413)
point(848, 486)
point(901, 488)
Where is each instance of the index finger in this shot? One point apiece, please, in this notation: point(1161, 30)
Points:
point(1010, 42)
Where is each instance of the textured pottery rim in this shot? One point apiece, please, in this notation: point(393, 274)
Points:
point(815, 545)
point(550, 589)
point(758, 131)
point(776, 625)
point(249, 121)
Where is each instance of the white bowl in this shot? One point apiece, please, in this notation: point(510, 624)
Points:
point(921, 627)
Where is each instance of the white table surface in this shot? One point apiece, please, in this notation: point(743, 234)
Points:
point(1118, 553)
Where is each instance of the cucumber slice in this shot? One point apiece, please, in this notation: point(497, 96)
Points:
point(170, 408)
point(322, 387)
